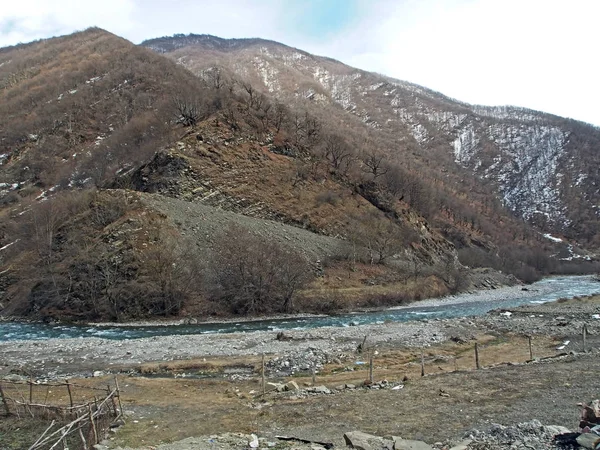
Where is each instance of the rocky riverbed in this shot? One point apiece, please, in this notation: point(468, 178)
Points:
point(294, 349)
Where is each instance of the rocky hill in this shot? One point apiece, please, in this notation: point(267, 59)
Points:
point(543, 168)
point(131, 187)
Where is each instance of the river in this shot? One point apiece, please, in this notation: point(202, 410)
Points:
point(479, 303)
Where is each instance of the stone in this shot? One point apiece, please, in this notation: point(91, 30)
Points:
point(291, 386)
point(557, 429)
point(350, 386)
point(99, 447)
point(253, 441)
point(407, 444)
point(464, 445)
point(588, 440)
point(321, 390)
point(98, 373)
point(363, 441)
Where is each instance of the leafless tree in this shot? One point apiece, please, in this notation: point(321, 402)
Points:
point(338, 153)
point(187, 112)
point(253, 275)
point(375, 164)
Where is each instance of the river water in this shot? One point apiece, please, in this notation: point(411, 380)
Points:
point(546, 290)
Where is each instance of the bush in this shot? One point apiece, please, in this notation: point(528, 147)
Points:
point(252, 275)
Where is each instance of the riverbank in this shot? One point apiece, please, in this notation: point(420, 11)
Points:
point(55, 358)
point(181, 386)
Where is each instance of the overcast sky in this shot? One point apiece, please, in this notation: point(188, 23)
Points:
point(539, 54)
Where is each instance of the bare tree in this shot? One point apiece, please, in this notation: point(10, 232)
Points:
point(253, 275)
point(374, 163)
point(187, 112)
point(338, 153)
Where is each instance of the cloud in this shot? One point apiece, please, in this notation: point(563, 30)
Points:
point(536, 53)
point(27, 20)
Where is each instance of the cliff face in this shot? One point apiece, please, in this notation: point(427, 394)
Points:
point(543, 168)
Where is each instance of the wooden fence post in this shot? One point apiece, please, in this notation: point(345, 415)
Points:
point(30, 389)
point(4, 401)
point(70, 393)
point(264, 384)
point(422, 363)
point(477, 356)
point(530, 348)
point(371, 367)
point(314, 374)
point(584, 333)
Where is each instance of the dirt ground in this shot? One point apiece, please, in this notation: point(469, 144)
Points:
point(452, 398)
point(441, 406)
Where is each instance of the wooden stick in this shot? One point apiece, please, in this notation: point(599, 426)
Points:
point(371, 367)
point(314, 375)
point(530, 348)
point(70, 393)
point(42, 436)
point(118, 390)
point(262, 372)
point(30, 389)
point(584, 333)
point(477, 356)
point(93, 425)
point(422, 363)
point(6, 408)
point(83, 441)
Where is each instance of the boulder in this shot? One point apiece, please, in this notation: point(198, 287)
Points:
point(464, 445)
point(321, 390)
point(363, 441)
point(588, 440)
point(407, 444)
point(291, 386)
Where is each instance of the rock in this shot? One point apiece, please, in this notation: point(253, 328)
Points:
point(97, 373)
point(464, 445)
point(340, 387)
point(99, 447)
point(350, 386)
point(253, 441)
point(117, 423)
point(363, 441)
point(291, 386)
point(557, 429)
point(588, 440)
point(406, 444)
point(321, 390)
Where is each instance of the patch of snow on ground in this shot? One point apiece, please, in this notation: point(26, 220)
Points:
point(552, 238)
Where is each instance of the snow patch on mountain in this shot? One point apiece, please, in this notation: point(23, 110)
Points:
point(268, 73)
point(465, 145)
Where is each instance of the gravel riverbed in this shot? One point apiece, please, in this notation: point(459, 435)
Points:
point(83, 356)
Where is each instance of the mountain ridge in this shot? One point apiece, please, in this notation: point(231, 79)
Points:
point(93, 125)
point(430, 113)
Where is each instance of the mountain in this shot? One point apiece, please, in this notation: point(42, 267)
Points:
point(204, 176)
point(543, 168)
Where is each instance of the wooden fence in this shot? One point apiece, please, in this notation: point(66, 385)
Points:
point(72, 423)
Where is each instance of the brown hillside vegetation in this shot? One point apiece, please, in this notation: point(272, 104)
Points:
point(471, 156)
point(133, 188)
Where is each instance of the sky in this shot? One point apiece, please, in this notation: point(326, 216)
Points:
point(538, 54)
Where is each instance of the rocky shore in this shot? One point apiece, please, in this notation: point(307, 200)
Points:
point(83, 356)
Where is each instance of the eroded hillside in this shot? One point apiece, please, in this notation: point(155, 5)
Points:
point(543, 168)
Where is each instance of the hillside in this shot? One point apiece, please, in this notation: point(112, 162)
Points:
point(542, 168)
point(134, 188)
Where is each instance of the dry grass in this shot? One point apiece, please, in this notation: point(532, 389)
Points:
point(170, 409)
